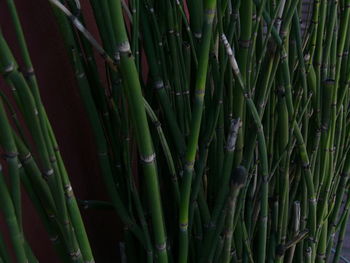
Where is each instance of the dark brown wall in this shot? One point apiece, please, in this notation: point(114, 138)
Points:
point(66, 112)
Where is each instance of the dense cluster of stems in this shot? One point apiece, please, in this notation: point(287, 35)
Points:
point(235, 111)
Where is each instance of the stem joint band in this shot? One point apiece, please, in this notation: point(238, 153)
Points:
point(148, 159)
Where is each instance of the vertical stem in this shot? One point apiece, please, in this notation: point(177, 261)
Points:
point(210, 10)
point(138, 114)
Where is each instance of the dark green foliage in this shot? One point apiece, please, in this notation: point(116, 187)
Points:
point(240, 117)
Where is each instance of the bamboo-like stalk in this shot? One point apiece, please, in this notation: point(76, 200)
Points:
point(147, 155)
point(209, 9)
point(208, 241)
point(242, 58)
point(175, 62)
point(262, 152)
point(11, 206)
point(237, 182)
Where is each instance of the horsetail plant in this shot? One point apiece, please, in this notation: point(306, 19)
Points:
point(238, 109)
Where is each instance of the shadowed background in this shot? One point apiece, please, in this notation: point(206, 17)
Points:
point(66, 113)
